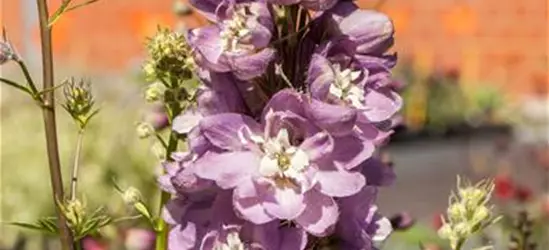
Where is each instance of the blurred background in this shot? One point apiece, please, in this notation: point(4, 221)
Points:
point(474, 75)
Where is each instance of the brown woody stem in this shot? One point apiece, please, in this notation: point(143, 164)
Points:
point(48, 111)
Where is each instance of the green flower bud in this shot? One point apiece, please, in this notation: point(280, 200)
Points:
point(79, 101)
point(144, 130)
point(154, 92)
point(457, 211)
point(74, 211)
point(169, 56)
point(481, 214)
point(445, 231)
point(131, 196)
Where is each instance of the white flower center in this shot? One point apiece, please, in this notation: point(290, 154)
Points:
point(235, 31)
point(233, 243)
point(281, 160)
point(344, 89)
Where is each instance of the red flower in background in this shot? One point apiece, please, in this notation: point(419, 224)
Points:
point(504, 187)
point(437, 221)
point(523, 194)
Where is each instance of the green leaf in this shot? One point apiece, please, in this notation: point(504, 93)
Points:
point(49, 224)
point(142, 209)
point(484, 248)
point(37, 226)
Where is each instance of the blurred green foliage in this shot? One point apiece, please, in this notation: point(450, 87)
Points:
point(111, 151)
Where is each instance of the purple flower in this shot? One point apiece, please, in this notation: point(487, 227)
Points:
point(360, 225)
point(337, 76)
point(208, 224)
point(282, 168)
point(238, 41)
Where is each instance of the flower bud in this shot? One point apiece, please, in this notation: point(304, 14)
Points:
point(79, 100)
point(154, 92)
point(445, 231)
point(144, 130)
point(6, 52)
point(457, 211)
point(169, 56)
point(131, 196)
point(482, 213)
point(74, 211)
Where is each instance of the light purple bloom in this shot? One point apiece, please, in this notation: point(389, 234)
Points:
point(282, 168)
point(336, 75)
point(210, 224)
point(238, 41)
point(360, 225)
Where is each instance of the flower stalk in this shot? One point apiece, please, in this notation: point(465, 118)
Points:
point(75, 168)
point(161, 227)
point(48, 111)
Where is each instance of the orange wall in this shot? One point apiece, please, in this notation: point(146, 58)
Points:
point(499, 41)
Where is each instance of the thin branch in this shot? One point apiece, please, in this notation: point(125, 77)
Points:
point(48, 111)
point(15, 85)
point(76, 165)
point(80, 5)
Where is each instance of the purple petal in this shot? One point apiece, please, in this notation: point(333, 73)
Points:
point(381, 104)
point(225, 130)
point(373, 31)
point(377, 173)
point(184, 123)
point(248, 204)
point(350, 151)
point(321, 214)
point(320, 76)
point(283, 203)
point(318, 5)
point(208, 42)
point(227, 169)
point(337, 120)
point(340, 183)
point(318, 146)
point(293, 238)
point(182, 237)
point(206, 7)
point(250, 66)
point(285, 100)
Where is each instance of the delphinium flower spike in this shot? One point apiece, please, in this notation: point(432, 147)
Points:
point(282, 134)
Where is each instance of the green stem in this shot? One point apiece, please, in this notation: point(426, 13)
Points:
point(48, 111)
point(75, 166)
point(28, 77)
point(161, 227)
point(459, 244)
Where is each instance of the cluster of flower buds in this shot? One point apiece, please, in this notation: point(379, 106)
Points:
point(79, 101)
point(169, 56)
point(295, 98)
point(468, 212)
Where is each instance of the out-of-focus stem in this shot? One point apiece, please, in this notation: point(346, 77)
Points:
point(161, 227)
point(48, 111)
point(76, 165)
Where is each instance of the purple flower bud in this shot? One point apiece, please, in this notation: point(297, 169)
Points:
point(372, 31)
point(6, 52)
point(402, 221)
